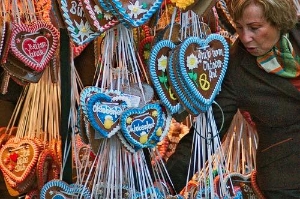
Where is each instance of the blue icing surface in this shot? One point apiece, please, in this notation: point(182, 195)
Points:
point(139, 126)
point(59, 196)
point(104, 111)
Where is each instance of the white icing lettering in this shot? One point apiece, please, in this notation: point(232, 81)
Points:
point(212, 67)
point(105, 109)
point(22, 160)
point(36, 49)
point(145, 127)
point(76, 9)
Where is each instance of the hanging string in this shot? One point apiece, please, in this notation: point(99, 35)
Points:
point(12, 122)
point(172, 22)
point(15, 11)
point(30, 10)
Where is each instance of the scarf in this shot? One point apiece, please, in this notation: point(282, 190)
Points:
point(281, 60)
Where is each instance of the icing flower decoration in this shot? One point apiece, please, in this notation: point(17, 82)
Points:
point(136, 9)
point(129, 120)
point(154, 114)
point(192, 62)
point(84, 29)
point(108, 16)
point(97, 9)
point(162, 63)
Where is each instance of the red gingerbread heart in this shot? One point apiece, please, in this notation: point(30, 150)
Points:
point(34, 44)
point(18, 158)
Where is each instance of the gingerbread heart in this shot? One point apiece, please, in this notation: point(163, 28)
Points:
point(21, 187)
point(85, 164)
point(18, 159)
point(158, 63)
point(203, 64)
point(85, 157)
point(142, 127)
point(77, 24)
point(20, 72)
point(136, 13)
point(179, 89)
point(34, 44)
point(224, 15)
point(47, 168)
point(60, 189)
point(104, 112)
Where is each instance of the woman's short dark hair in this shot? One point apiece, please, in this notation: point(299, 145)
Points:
point(281, 13)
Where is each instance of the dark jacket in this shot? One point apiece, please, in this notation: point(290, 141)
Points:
point(274, 104)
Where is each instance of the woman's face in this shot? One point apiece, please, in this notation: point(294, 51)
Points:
point(255, 32)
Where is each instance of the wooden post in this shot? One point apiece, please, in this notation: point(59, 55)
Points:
point(65, 68)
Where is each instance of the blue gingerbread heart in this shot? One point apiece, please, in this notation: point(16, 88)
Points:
point(141, 127)
point(103, 113)
point(180, 89)
point(203, 66)
point(158, 63)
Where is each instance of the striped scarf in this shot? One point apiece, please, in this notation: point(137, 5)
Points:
point(281, 60)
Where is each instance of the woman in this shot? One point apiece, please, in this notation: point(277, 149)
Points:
point(263, 78)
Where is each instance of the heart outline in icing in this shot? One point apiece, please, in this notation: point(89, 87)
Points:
point(60, 188)
point(9, 165)
point(177, 87)
point(107, 124)
point(205, 95)
point(142, 136)
point(161, 83)
point(37, 39)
